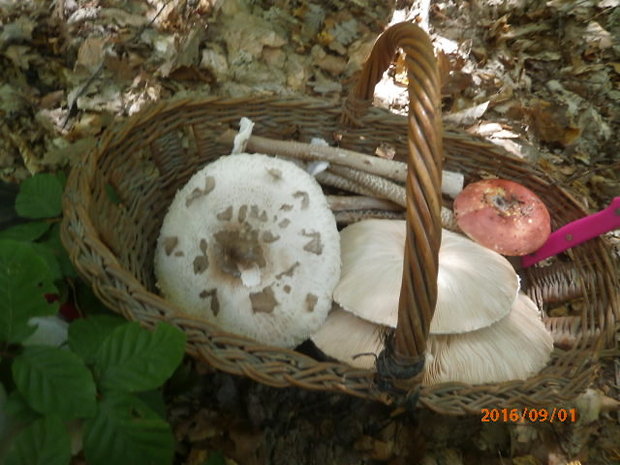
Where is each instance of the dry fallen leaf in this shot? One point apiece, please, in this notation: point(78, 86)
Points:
point(467, 116)
point(19, 30)
point(551, 123)
point(90, 55)
point(597, 36)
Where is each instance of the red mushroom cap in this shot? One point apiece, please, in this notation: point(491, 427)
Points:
point(503, 216)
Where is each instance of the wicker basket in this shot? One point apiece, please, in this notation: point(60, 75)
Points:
point(117, 196)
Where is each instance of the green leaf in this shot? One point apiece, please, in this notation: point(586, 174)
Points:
point(154, 399)
point(52, 242)
point(18, 410)
point(44, 442)
point(184, 379)
point(88, 301)
point(24, 280)
point(62, 178)
point(55, 381)
point(134, 359)
point(26, 232)
point(126, 431)
point(39, 197)
point(50, 259)
point(87, 334)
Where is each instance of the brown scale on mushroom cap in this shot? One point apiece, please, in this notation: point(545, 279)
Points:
point(170, 244)
point(311, 301)
point(237, 247)
point(209, 185)
point(269, 237)
point(214, 304)
point(314, 245)
point(243, 211)
point(305, 199)
point(201, 263)
point(264, 301)
point(288, 272)
point(226, 215)
point(275, 173)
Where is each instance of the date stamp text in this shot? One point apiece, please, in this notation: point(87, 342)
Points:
point(529, 415)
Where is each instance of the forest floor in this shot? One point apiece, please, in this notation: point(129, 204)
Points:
point(539, 78)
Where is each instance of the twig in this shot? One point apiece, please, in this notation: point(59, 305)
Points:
point(59, 10)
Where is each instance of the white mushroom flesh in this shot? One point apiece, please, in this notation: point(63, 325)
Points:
point(475, 286)
point(251, 244)
point(372, 267)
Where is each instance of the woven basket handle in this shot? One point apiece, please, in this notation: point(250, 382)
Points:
point(419, 285)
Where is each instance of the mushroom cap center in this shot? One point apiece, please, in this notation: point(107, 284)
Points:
point(237, 248)
point(506, 204)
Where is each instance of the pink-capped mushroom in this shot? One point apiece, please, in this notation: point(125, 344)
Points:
point(503, 215)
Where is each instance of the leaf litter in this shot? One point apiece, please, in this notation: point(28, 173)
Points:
point(540, 78)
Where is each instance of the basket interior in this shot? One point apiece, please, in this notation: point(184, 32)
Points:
point(132, 177)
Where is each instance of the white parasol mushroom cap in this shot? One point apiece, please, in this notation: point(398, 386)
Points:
point(250, 244)
point(349, 339)
point(476, 286)
point(372, 267)
point(516, 347)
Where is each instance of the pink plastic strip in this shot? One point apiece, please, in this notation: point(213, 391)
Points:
point(576, 232)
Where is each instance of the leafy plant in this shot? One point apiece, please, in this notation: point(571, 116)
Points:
point(88, 394)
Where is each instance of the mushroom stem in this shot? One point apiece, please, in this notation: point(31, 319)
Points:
point(341, 183)
point(347, 217)
point(448, 220)
point(376, 184)
point(352, 208)
point(391, 169)
point(356, 202)
point(452, 183)
point(386, 189)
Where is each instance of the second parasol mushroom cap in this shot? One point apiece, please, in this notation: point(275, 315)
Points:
point(515, 347)
point(250, 244)
point(476, 286)
point(503, 215)
point(482, 331)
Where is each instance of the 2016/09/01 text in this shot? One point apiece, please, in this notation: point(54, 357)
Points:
point(522, 415)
